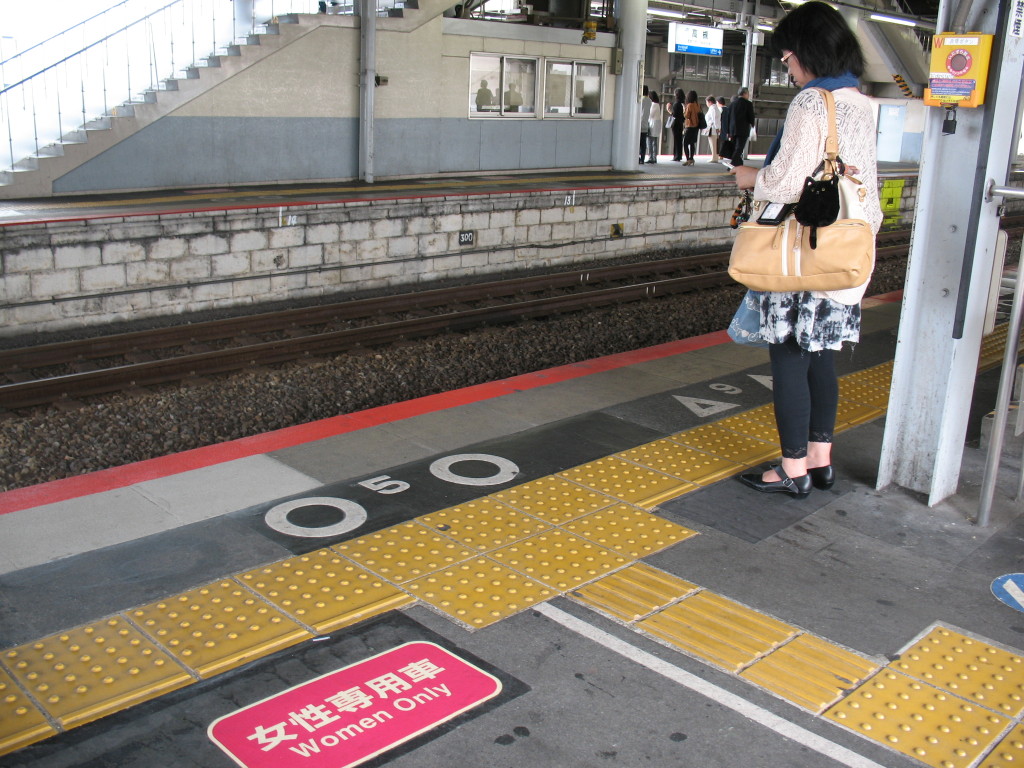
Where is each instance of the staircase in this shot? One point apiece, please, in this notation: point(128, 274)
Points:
point(33, 176)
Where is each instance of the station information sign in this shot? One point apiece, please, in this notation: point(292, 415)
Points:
point(688, 38)
point(347, 716)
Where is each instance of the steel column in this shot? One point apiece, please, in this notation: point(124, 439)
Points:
point(367, 82)
point(632, 18)
point(951, 257)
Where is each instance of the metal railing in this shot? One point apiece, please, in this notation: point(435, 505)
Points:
point(53, 91)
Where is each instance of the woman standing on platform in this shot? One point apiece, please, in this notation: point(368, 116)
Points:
point(714, 119)
point(654, 129)
point(691, 120)
point(804, 329)
point(677, 111)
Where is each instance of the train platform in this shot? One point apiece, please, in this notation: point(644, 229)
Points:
point(555, 570)
point(206, 200)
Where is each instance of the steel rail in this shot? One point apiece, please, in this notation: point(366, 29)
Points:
point(49, 390)
point(25, 358)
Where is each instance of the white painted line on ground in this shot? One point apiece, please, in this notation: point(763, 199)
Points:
point(1014, 591)
point(736, 703)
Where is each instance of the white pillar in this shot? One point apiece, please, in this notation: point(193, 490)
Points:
point(626, 130)
point(367, 82)
point(951, 256)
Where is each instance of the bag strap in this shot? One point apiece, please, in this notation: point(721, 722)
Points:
point(832, 139)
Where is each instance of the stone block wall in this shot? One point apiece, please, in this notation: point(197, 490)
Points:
point(65, 275)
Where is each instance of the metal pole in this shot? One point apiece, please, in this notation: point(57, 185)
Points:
point(995, 448)
point(367, 82)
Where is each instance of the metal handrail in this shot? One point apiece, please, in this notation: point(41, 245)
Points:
point(72, 28)
point(80, 51)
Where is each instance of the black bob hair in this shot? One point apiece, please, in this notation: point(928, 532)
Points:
point(823, 42)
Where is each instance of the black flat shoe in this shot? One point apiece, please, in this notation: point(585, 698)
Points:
point(798, 487)
point(822, 478)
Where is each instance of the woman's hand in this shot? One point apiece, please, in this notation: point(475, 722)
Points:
point(745, 176)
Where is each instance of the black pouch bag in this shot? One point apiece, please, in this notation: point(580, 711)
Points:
point(819, 202)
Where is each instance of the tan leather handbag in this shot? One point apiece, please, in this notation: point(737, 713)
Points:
point(789, 257)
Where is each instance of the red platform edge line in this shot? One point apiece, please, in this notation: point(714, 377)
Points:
point(198, 458)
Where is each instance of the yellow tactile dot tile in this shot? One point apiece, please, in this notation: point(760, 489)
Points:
point(483, 524)
point(629, 531)
point(559, 559)
point(218, 627)
point(681, 461)
point(763, 413)
point(479, 592)
point(21, 723)
point(721, 442)
point(810, 672)
point(628, 482)
point(919, 720)
point(759, 430)
point(553, 499)
point(92, 671)
point(405, 552)
point(633, 592)
point(718, 630)
point(879, 376)
point(863, 393)
point(851, 413)
point(969, 668)
point(1008, 753)
point(324, 590)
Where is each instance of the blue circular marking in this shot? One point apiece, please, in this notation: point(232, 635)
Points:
point(1009, 589)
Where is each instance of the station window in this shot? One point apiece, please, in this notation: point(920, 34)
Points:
point(502, 85)
point(573, 88)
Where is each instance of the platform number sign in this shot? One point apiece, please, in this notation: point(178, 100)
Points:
point(467, 237)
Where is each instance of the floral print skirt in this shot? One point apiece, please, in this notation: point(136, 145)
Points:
point(815, 323)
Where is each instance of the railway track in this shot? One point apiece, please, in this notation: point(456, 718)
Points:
point(69, 371)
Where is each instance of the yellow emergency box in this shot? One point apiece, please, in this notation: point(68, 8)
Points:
point(958, 73)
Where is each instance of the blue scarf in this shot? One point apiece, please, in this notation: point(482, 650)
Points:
point(846, 80)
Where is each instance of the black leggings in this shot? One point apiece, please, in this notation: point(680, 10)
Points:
point(806, 395)
point(690, 142)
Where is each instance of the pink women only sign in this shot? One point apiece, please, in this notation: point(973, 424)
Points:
point(348, 716)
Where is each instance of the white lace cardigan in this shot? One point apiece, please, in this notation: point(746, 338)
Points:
point(803, 147)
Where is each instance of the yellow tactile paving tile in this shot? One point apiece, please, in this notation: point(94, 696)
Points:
point(851, 413)
point(324, 590)
point(559, 560)
point(21, 722)
point(92, 671)
point(759, 430)
point(405, 552)
point(810, 672)
point(218, 627)
point(633, 592)
point(718, 630)
point(967, 667)
point(484, 524)
point(721, 442)
point(879, 377)
point(479, 592)
point(919, 720)
point(763, 413)
point(628, 482)
point(681, 461)
point(1008, 753)
point(859, 392)
point(553, 499)
point(631, 532)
